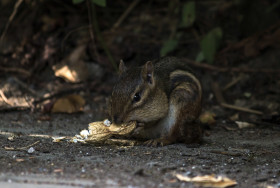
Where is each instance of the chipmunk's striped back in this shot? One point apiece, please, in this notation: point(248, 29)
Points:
point(178, 72)
point(186, 80)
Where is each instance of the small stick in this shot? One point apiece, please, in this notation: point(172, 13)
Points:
point(217, 92)
point(16, 70)
point(25, 86)
point(243, 109)
point(63, 92)
point(5, 98)
point(14, 108)
point(22, 148)
point(93, 14)
point(219, 96)
point(226, 153)
point(231, 69)
point(126, 13)
point(18, 3)
point(250, 38)
point(233, 82)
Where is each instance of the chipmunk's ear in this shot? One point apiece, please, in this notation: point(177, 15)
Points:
point(148, 73)
point(122, 67)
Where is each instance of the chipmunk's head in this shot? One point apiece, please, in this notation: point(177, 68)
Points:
point(134, 95)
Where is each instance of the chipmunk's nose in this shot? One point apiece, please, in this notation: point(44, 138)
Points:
point(117, 119)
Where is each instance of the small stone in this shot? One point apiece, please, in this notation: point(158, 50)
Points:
point(31, 150)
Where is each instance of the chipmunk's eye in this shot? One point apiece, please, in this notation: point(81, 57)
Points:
point(137, 97)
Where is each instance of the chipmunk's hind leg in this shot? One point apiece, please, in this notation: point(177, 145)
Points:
point(184, 108)
point(187, 102)
point(179, 124)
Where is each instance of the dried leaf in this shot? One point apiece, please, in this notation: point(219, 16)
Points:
point(242, 125)
point(234, 117)
point(207, 118)
point(69, 104)
point(58, 139)
point(58, 170)
point(20, 160)
point(72, 73)
point(72, 68)
point(208, 180)
point(66, 73)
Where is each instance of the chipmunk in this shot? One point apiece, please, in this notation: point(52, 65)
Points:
point(163, 97)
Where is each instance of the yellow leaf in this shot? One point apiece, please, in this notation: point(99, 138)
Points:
point(208, 180)
point(72, 68)
point(207, 118)
point(72, 73)
point(69, 104)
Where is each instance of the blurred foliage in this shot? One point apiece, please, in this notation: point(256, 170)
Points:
point(93, 15)
point(168, 46)
point(210, 43)
point(101, 3)
point(200, 29)
point(188, 14)
point(248, 17)
point(188, 18)
point(256, 16)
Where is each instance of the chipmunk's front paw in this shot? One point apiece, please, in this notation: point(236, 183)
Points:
point(157, 142)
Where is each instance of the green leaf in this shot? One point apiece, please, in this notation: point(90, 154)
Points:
point(200, 57)
point(210, 44)
point(188, 14)
point(77, 1)
point(168, 46)
point(101, 3)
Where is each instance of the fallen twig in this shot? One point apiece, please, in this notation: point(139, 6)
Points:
point(93, 18)
point(21, 148)
point(230, 69)
point(5, 98)
point(243, 109)
point(250, 38)
point(15, 70)
point(217, 92)
point(229, 153)
point(26, 87)
point(18, 3)
point(14, 108)
point(220, 99)
point(233, 82)
point(61, 93)
point(126, 13)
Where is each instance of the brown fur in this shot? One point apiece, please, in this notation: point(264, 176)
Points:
point(164, 96)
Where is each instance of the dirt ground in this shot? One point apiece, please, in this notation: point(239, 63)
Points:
point(250, 156)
